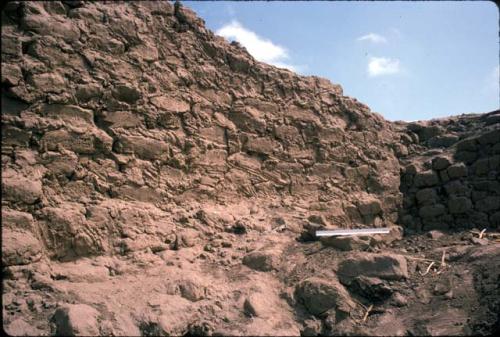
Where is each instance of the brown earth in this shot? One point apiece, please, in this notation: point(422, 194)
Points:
point(157, 180)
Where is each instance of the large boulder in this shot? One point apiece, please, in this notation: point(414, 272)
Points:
point(18, 188)
point(16, 219)
point(76, 320)
point(19, 327)
point(319, 295)
point(384, 266)
point(19, 247)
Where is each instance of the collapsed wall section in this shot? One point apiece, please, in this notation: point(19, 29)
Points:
point(451, 177)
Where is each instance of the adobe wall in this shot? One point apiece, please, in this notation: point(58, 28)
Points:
point(454, 180)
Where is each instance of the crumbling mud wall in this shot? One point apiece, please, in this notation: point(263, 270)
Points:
point(114, 113)
point(451, 178)
point(157, 180)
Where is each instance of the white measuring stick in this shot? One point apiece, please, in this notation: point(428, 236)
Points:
point(361, 231)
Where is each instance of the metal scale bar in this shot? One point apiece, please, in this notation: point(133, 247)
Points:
point(360, 231)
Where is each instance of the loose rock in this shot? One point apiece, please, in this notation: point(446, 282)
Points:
point(384, 266)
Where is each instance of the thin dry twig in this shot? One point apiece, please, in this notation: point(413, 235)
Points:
point(443, 264)
point(428, 269)
point(420, 258)
point(487, 234)
point(367, 312)
point(481, 234)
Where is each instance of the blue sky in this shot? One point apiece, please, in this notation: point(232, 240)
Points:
point(406, 60)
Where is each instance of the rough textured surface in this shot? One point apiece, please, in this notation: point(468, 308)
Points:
point(452, 184)
point(157, 180)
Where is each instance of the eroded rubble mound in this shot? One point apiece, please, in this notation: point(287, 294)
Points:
point(157, 180)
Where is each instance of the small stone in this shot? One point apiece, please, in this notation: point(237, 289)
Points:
point(346, 243)
point(261, 260)
point(379, 240)
point(239, 227)
point(318, 219)
point(187, 238)
point(312, 327)
point(370, 287)
point(423, 295)
point(209, 248)
point(202, 328)
point(75, 320)
point(257, 305)
point(442, 286)
point(435, 234)
point(399, 300)
point(191, 291)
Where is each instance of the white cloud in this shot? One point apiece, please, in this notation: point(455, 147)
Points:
point(291, 67)
point(261, 48)
point(378, 66)
point(374, 38)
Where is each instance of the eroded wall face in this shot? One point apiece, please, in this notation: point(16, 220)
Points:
point(155, 180)
point(451, 180)
point(121, 111)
